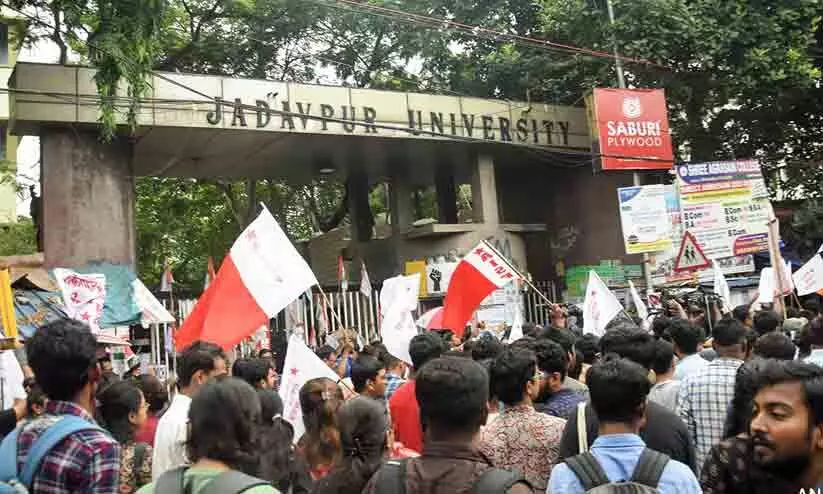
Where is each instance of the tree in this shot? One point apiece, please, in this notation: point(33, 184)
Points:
point(18, 238)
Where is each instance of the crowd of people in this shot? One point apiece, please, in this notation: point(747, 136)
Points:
point(723, 405)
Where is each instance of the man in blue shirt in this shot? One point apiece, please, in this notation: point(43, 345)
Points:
point(619, 389)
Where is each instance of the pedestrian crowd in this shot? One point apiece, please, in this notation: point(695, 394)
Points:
point(697, 402)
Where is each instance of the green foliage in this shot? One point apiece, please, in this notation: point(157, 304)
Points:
point(18, 238)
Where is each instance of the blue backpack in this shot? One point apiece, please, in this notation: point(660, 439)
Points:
point(13, 481)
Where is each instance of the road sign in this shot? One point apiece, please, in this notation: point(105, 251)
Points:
point(691, 256)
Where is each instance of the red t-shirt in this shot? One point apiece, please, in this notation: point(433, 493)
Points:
point(405, 415)
point(145, 434)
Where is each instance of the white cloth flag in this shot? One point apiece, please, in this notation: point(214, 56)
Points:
point(151, 310)
point(600, 306)
point(300, 366)
point(766, 289)
point(365, 282)
point(721, 287)
point(639, 306)
point(517, 326)
point(809, 278)
point(83, 295)
point(398, 298)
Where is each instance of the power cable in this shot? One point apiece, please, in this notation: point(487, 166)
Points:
point(482, 32)
point(369, 125)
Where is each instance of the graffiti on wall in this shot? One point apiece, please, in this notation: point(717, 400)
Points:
point(564, 240)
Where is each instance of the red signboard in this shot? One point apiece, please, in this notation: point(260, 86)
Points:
point(632, 129)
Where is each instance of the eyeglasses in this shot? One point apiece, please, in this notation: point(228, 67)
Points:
point(538, 375)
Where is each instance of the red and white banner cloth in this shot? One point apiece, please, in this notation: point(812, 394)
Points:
point(482, 271)
point(262, 274)
point(84, 295)
point(599, 307)
point(300, 366)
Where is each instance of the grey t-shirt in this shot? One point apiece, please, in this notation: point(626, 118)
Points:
point(665, 394)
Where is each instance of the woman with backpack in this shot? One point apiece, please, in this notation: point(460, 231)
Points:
point(123, 410)
point(363, 438)
point(223, 444)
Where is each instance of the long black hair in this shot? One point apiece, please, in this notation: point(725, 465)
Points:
point(117, 401)
point(224, 418)
point(279, 463)
point(363, 425)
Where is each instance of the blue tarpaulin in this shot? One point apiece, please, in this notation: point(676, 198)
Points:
point(34, 308)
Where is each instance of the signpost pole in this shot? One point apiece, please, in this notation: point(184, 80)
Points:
point(621, 83)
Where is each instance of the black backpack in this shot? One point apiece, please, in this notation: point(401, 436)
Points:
point(230, 482)
point(391, 479)
point(645, 478)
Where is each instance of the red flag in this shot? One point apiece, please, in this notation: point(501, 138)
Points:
point(481, 272)
point(262, 274)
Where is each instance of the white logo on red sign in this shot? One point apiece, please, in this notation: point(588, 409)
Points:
point(632, 107)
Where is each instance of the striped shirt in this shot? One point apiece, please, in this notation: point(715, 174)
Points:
point(703, 403)
point(87, 461)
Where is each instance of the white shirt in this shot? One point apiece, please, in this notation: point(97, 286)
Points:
point(692, 364)
point(11, 380)
point(170, 437)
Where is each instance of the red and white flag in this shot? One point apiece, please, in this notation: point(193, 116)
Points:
point(300, 366)
point(167, 279)
point(259, 277)
point(342, 278)
point(481, 272)
point(599, 307)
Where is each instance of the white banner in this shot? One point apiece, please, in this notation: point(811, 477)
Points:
point(83, 295)
point(398, 298)
point(300, 366)
point(600, 306)
point(809, 278)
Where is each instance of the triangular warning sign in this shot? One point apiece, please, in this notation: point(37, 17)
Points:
point(691, 256)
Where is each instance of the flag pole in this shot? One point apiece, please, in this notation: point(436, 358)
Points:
point(333, 313)
point(520, 275)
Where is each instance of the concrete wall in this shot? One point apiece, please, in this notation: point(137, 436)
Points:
point(88, 199)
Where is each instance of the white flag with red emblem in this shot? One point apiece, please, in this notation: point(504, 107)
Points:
point(600, 306)
point(261, 275)
point(300, 366)
point(482, 271)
